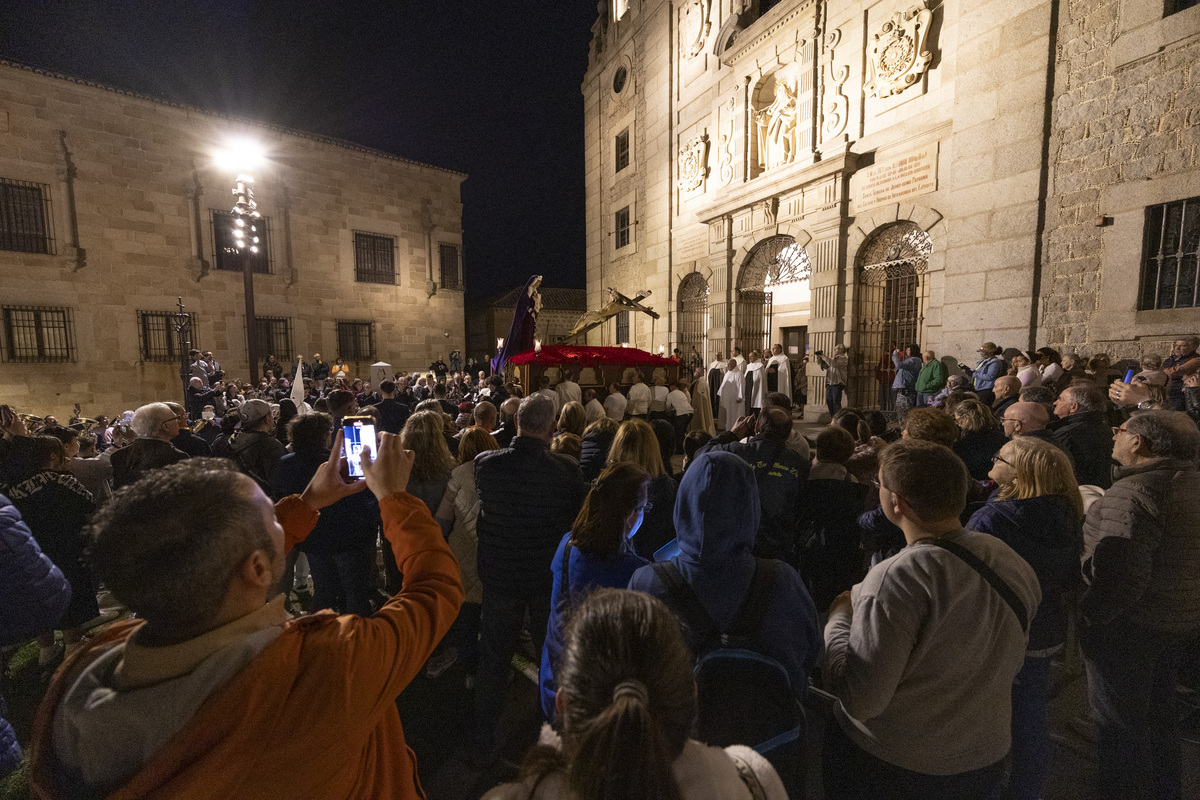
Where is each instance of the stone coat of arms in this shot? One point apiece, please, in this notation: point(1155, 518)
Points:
point(897, 55)
point(693, 164)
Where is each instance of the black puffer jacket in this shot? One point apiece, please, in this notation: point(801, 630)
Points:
point(1141, 549)
point(596, 445)
point(528, 498)
point(132, 462)
point(1087, 436)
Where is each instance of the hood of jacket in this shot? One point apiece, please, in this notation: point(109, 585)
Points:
point(244, 440)
point(717, 510)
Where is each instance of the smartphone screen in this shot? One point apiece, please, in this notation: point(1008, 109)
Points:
point(357, 433)
point(1129, 376)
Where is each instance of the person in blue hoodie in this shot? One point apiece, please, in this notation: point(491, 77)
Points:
point(1038, 512)
point(596, 553)
point(33, 595)
point(716, 519)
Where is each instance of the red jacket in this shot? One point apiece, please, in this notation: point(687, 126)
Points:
point(314, 714)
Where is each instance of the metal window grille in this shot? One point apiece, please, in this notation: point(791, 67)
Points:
point(622, 148)
point(274, 338)
point(622, 327)
point(157, 340)
point(38, 334)
point(374, 258)
point(226, 253)
point(451, 268)
point(25, 219)
point(356, 340)
point(622, 228)
point(1169, 263)
point(693, 315)
point(1175, 6)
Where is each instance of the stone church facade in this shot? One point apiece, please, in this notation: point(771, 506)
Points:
point(888, 172)
point(112, 207)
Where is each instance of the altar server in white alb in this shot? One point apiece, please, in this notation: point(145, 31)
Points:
point(756, 381)
point(779, 372)
point(733, 397)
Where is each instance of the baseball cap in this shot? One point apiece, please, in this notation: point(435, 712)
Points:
point(252, 412)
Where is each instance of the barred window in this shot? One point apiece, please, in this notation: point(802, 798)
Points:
point(157, 339)
point(1175, 6)
point(622, 148)
point(225, 251)
point(356, 340)
point(25, 220)
point(38, 334)
point(451, 268)
point(274, 338)
point(621, 237)
point(374, 258)
point(622, 327)
point(1169, 263)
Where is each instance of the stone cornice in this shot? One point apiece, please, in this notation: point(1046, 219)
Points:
point(768, 185)
point(774, 20)
point(358, 148)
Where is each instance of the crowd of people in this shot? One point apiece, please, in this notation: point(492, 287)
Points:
point(692, 583)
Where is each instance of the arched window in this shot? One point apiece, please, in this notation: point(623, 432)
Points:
point(693, 317)
point(774, 261)
point(893, 286)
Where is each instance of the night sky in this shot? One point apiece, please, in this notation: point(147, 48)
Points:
point(497, 83)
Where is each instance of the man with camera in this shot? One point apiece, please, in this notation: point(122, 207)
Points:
point(836, 370)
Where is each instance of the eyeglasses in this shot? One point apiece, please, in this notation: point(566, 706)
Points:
point(1117, 430)
point(996, 458)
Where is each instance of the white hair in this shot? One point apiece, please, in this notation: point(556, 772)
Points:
point(148, 419)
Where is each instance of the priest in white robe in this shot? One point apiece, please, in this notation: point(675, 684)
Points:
point(732, 396)
point(756, 382)
point(779, 372)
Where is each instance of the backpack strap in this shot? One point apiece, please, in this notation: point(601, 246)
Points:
point(748, 622)
point(689, 607)
point(1003, 589)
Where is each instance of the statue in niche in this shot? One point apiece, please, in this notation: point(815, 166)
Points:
point(776, 126)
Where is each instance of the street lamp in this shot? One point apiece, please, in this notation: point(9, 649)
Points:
point(183, 329)
point(246, 226)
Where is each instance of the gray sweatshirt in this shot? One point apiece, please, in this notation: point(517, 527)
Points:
point(924, 666)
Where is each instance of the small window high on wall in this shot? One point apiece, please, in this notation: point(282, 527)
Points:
point(621, 229)
point(1169, 262)
point(1175, 6)
point(622, 150)
point(622, 327)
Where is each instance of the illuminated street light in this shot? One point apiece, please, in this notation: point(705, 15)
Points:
point(242, 157)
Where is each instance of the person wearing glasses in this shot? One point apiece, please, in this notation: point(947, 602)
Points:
point(1037, 511)
point(596, 553)
point(1141, 604)
point(1031, 419)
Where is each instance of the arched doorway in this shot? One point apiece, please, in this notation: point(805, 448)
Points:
point(893, 288)
point(775, 261)
point(693, 318)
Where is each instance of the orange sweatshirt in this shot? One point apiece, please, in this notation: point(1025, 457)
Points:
point(314, 713)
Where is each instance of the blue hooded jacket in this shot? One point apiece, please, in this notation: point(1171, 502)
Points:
point(716, 520)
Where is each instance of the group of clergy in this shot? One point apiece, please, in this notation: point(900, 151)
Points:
point(739, 386)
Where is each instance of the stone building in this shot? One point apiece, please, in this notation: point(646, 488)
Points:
point(112, 207)
point(491, 319)
point(885, 172)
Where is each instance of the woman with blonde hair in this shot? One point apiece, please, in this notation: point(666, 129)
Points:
point(572, 418)
point(1038, 512)
point(636, 443)
point(457, 514)
point(979, 438)
point(424, 434)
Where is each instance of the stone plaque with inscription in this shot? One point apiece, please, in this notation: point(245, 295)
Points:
point(691, 245)
point(898, 179)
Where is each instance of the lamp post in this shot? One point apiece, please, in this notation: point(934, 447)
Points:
point(245, 223)
point(183, 330)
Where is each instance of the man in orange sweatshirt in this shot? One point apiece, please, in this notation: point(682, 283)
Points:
point(215, 691)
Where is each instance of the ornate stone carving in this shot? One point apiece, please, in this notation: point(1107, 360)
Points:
point(693, 27)
point(897, 56)
point(725, 157)
point(768, 210)
point(837, 104)
point(693, 164)
point(776, 124)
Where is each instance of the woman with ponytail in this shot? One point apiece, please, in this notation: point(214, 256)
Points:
point(627, 701)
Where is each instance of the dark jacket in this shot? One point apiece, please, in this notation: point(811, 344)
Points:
point(1045, 532)
point(585, 572)
point(779, 474)
point(320, 370)
point(596, 445)
point(833, 558)
point(528, 498)
point(197, 399)
point(1087, 436)
point(716, 518)
point(658, 524)
point(33, 595)
point(392, 414)
point(1000, 406)
point(190, 443)
point(257, 453)
point(351, 523)
point(882, 539)
point(1141, 549)
point(976, 449)
point(142, 456)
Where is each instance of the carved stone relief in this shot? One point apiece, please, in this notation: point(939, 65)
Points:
point(693, 27)
point(693, 164)
point(775, 125)
point(837, 104)
point(768, 211)
point(725, 156)
point(897, 57)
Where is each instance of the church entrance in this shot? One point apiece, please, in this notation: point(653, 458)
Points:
point(693, 319)
point(774, 262)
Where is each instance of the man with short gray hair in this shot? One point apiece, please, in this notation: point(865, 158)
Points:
point(528, 498)
point(1084, 432)
point(1141, 566)
point(155, 425)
